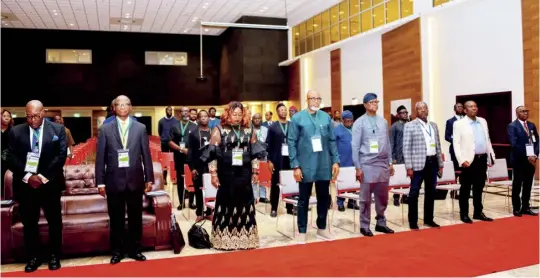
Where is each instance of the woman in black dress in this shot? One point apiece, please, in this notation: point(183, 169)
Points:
point(234, 154)
point(7, 124)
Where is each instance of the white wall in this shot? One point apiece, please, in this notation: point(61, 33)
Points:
point(476, 47)
point(315, 74)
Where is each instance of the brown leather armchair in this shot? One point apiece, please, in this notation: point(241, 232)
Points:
point(85, 218)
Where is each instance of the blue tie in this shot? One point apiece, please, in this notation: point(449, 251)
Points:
point(35, 141)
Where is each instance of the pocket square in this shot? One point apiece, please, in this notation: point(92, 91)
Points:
point(55, 138)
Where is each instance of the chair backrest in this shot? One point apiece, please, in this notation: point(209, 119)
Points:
point(265, 177)
point(498, 171)
point(188, 178)
point(288, 183)
point(400, 178)
point(165, 158)
point(346, 180)
point(209, 191)
point(448, 176)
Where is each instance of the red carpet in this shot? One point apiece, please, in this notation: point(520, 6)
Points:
point(458, 250)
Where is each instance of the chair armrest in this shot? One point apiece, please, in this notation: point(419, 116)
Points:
point(162, 209)
point(8, 217)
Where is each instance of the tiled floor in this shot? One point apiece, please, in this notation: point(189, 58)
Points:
point(495, 207)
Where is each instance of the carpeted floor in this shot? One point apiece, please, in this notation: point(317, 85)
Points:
point(458, 250)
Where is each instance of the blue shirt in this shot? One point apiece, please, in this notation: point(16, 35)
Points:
point(480, 144)
point(213, 123)
point(344, 147)
point(164, 127)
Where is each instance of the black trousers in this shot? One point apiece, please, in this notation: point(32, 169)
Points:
point(198, 182)
point(181, 188)
point(523, 179)
point(29, 204)
point(322, 189)
point(164, 149)
point(474, 176)
point(117, 203)
point(428, 175)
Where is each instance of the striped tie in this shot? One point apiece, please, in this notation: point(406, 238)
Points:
point(35, 141)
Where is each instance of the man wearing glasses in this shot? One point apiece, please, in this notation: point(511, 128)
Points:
point(396, 140)
point(38, 152)
point(372, 157)
point(112, 118)
point(314, 157)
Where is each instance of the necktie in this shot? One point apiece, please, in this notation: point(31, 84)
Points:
point(35, 140)
point(525, 126)
point(124, 133)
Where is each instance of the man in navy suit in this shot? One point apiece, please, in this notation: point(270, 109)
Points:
point(449, 130)
point(523, 137)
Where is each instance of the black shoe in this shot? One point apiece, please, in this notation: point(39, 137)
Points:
point(192, 206)
point(383, 229)
point(529, 212)
point(32, 265)
point(341, 208)
point(396, 202)
point(482, 217)
point(517, 213)
point(273, 214)
point(116, 258)
point(353, 205)
point(138, 256)
point(54, 263)
point(432, 224)
point(466, 219)
point(179, 207)
point(366, 232)
point(414, 226)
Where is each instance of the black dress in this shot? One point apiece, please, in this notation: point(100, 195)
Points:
point(233, 225)
point(4, 165)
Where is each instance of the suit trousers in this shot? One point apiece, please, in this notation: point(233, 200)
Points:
point(30, 202)
point(117, 203)
point(428, 175)
point(322, 189)
point(523, 179)
point(380, 190)
point(165, 148)
point(473, 176)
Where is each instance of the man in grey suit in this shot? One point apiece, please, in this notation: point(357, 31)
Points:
point(423, 159)
point(124, 172)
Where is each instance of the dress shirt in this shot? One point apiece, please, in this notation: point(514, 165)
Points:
point(429, 137)
point(480, 144)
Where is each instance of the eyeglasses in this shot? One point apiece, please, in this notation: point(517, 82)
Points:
point(373, 102)
point(123, 105)
point(524, 111)
point(319, 99)
point(403, 112)
point(33, 117)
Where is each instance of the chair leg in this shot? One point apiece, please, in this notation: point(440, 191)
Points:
point(402, 214)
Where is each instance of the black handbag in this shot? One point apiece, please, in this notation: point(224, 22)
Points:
point(178, 241)
point(198, 237)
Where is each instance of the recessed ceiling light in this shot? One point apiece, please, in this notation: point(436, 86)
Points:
point(262, 11)
point(71, 24)
point(53, 11)
point(185, 31)
point(206, 30)
point(298, 34)
point(129, 2)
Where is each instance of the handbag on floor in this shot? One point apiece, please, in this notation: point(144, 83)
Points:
point(198, 237)
point(178, 241)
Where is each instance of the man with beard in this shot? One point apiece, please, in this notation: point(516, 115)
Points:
point(396, 141)
point(164, 129)
point(193, 115)
point(449, 130)
point(213, 121)
point(178, 139)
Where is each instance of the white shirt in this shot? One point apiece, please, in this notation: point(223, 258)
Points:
point(126, 124)
point(458, 117)
point(429, 137)
point(40, 144)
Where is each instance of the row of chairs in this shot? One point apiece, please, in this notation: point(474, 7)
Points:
point(83, 152)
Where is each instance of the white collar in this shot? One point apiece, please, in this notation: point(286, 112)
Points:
point(422, 122)
point(121, 121)
point(522, 122)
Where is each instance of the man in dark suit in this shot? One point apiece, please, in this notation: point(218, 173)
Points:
point(268, 116)
point(449, 130)
point(124, 172)
point(523, 137)
point(37, 155)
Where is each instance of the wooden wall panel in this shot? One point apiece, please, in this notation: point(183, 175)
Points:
point(335, 80)
point(95, 115)
point(529, 12)
point(294, 84)
point(402, 65)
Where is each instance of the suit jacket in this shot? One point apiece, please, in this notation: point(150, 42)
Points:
point(463, 140)
point(274, 142)
point(268, 124)
point(414, 145)
point(176, 136)
point(519, 138)
point(130, 178)
point(449, 133)
point(51, 159)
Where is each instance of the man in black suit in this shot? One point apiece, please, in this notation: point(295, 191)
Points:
point(278, 154)
point(449, 131)
point(124, 172)
point(523, 137)
point(38, 153)
point(178, 142)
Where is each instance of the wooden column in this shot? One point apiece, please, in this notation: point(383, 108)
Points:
point(294, 87)
point(335, 80)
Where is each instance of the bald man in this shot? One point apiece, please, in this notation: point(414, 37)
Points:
point(38, 153)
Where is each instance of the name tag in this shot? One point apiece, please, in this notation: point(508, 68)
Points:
point(237, 157)
point(32, 162)
point(533, 138)
point(123, 158)
point(285, 150)
point(206, 141)
point(316, 144)
point(529, 149)
point(431, 147)
point(373, 146)
point(182, 145)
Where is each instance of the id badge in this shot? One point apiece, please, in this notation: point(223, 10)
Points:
point(529, 149)
point(182, 145)
point(432, 148)
point(373, 146)
point(285, 150)
point(123, 158)
point(237, 157)
point(316, 143)
point(206, 141)
point(533, 138)
point(32, 162)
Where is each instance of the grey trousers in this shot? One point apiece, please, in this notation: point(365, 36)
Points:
point(380, 190)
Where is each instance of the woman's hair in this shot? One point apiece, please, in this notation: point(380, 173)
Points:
point(10, 122)
point(226, 117)
point(201, 111)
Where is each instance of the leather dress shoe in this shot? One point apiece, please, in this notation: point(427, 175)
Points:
point(366, 232)
point(517, 213)
point(383, 229)
point(54, 263)
point(32, 265)
point(432, 224)
point(138, 256)
point(414, 226)
point(273, 213)
point(466, 219)
point(116, 258)
point(529, 212)
point(341, 208)
point(482, 217)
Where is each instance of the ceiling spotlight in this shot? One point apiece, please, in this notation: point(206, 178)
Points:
point(55, 13)
point(185, 31)
point(129, 2)
point(206, 30)
point(71, 24)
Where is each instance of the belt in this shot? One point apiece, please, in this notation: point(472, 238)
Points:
point(480, 155)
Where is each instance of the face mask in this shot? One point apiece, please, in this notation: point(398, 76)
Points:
point(314, 108)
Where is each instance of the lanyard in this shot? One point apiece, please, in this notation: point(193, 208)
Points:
point(237, 134)
point(313, 120)
point(37, 135)
point(123, 134)
point(428, 132)
point(259, 133)
point(284, 129)
point(183, 128)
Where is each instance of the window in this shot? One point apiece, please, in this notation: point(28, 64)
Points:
point(406, 8)
point(344, 30)
point(69, 56)
point(439, 2)
point(166, 58)
point(378, 16)
point(392, 10)
point(354, 7)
